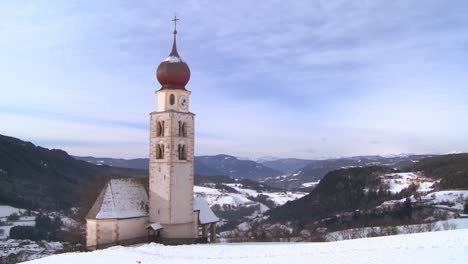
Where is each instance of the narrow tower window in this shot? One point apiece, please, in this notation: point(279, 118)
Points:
point(182, 152)
point(182, 129)
point(160, 151)
point(171, 99)
point(160, 129)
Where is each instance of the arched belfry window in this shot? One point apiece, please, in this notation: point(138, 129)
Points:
point(160, 151)
point(182, 129)
point(160, 129)
point(182, 152)
point(171, 99)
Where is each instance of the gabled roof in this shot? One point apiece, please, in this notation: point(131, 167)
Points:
point(119, 199)
point(206, 215)
point(155, 226)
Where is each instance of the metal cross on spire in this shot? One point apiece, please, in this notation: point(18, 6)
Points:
point(175, 19)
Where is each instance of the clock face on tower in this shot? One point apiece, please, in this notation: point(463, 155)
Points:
point(183, 102)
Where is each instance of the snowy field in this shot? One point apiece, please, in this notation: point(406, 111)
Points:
point(396, 182)
point(435, 247)
point(451, 199)
point(6, 210)
point(214, 196)
point(460, 223)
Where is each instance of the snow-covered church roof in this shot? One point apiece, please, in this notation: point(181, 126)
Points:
point(205, 215)
point(119, 199)
point(128, 198)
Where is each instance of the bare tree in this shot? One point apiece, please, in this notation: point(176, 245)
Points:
point(449, 226)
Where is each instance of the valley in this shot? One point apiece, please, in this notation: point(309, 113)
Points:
point(325, 200)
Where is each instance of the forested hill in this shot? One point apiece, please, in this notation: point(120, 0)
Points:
point(451, 169)
point(340, 190)
point(35, 177)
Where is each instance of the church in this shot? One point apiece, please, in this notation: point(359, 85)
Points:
point(128, 211)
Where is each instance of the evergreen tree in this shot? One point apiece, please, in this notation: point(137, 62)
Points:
point(407, 208)
point(13, 217)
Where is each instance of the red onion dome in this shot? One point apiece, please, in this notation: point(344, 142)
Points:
point(173, 72)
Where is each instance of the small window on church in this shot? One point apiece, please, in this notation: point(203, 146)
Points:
point(159, 151)
point(182, 129)
point(182, 152)
point(172, 99)
point(160, 129)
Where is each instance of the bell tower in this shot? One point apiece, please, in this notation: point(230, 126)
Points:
point(172, 152)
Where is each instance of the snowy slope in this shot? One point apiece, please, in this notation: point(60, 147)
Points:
point(215, 196)
point(436, 247)
point(396, 182)
point(6, 210)
point(451, 199)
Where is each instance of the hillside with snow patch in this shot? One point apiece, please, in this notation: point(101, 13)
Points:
point(235, 201)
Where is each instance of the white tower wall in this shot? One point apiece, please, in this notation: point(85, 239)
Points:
point(171, 179)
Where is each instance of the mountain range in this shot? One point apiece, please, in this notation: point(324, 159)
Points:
point(284, 173)
point(217, 165)
point(314, 170)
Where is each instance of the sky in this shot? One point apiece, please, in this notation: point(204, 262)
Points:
point(303, 79)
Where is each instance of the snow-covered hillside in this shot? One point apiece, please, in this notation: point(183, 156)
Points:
point(435, 247)
point(215, 196)
point(237, 197)
point(13, 251)
point(24, 217)
point(396, 182)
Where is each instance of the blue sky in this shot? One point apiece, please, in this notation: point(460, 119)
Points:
point(306, 79)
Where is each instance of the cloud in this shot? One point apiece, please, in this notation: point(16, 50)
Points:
point(270, 78)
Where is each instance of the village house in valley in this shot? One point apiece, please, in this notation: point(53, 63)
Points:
point(126, 211)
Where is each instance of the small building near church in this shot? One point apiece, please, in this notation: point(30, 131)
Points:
point(127, 211)
point(119, 215)
point(206, 218)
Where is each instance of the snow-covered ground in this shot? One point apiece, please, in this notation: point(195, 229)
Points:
point(6, 210)
point(215, 196)
point(310, 184)
point(435, 247)
point(452, 199)
point(26, 218)
point(12, 251)
point(396, 182)
point(451, 224)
